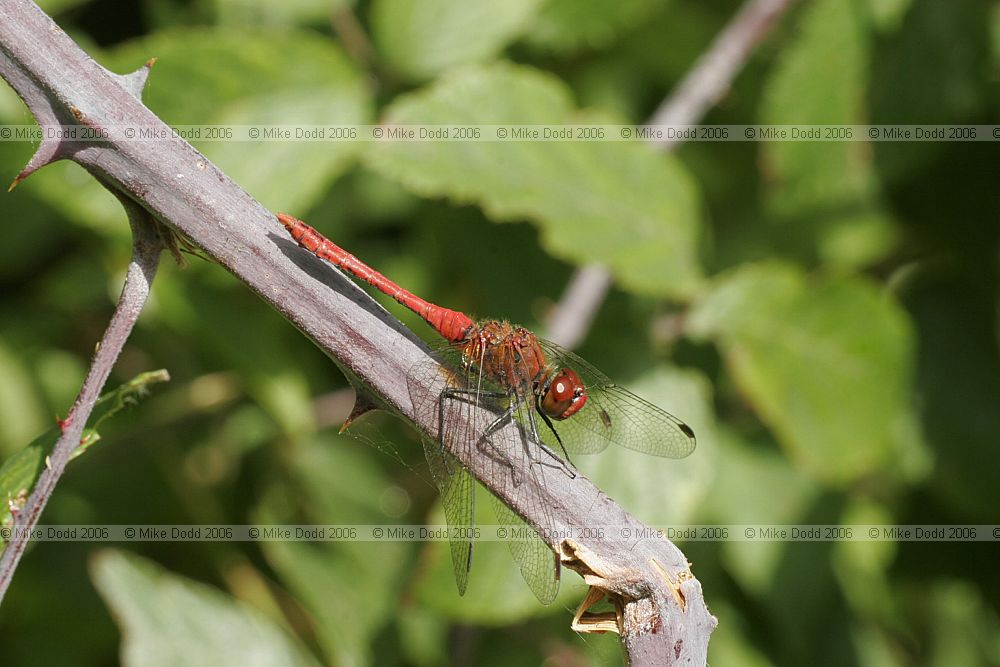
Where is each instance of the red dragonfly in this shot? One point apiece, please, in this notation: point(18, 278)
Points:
point(531, 380)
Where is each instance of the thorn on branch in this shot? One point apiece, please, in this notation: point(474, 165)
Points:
point(55, 146)
point(134, 82)
point(49, 151)
point(363, 404)
point(65, 423)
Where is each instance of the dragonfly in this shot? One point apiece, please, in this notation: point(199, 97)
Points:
point(560, 401)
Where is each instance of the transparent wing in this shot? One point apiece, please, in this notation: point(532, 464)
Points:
point(458, 495)
point(453, 481)
point(538, 564)
point(614, 414)
point(462, 421)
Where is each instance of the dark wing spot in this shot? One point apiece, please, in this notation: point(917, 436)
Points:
point(606, 418)
point(687, 430)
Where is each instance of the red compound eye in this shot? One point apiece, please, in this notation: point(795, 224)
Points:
point(564, 395)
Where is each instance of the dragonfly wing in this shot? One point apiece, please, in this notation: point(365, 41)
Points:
point(453, 481)
point(638, 424)
point(538, 564)
point(614, 414)
point(457, 489)
point(464, 414)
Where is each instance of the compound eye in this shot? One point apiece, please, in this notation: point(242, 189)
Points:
point(564, 396)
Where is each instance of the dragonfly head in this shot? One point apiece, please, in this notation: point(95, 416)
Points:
point(564, 395)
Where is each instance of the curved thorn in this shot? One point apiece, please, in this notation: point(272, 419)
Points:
point(49, 151)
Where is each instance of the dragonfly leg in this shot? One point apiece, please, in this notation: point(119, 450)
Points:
point(483, 443)
point(497, 424)
point(471, 395)
point(508, 416)
point(545, 448)
point(566, 462)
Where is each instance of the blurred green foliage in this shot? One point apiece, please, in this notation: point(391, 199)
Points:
point(824, 314)
point(20, 472)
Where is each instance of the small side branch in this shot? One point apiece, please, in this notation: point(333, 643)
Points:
point(710, 78)
point(146, 247)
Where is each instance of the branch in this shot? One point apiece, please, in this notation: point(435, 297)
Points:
point(705, 84)
point(709, 79)
point(352, 35)
point(662, 600)
point(146, 247)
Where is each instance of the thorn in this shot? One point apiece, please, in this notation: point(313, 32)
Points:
point(16, 503)
point(64, 423)
point(48, 462)
point(49, 151)
point(173, 242)
point(363, 404)
point(135, 82)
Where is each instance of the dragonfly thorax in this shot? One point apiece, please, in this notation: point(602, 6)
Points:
point(507, 355)
point(512, 358)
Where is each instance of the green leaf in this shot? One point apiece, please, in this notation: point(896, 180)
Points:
point(244, 77)
point(53, 7)
point(863, 566)
point(350, 588)
point(423, 637)
point(616, 203)
point(218, 315)
point(743, 470)
point(423, 38)
point(20, 472)
point(820, 78)
point(257, 12)
point(292, 175)
point(736, 646)
point(827, 366)
point(961, 624)
point(230, 76)
point(21, 408)
point(201, 73)
point(827, 189)
point(569, 25)
point(994, 29)
point(930, 72)
point(170, 620)
point(888, 14)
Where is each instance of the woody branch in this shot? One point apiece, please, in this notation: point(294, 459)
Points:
point(665, 614)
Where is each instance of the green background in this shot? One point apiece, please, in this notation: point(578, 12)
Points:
point(824, 314)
